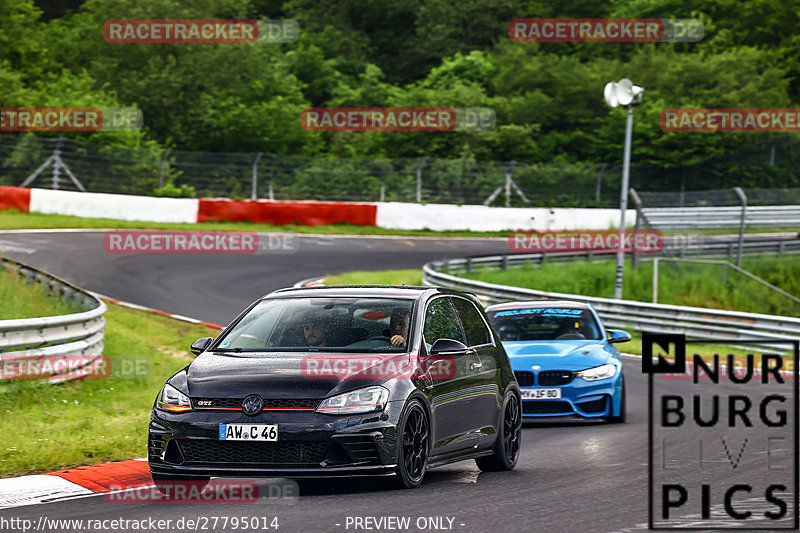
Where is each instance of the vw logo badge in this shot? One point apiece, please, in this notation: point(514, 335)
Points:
point(252, 405)
point(536, 367)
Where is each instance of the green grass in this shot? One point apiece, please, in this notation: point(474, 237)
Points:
point(688, 284)
point(381, 277)
point(20, 299)
point(11, 219)
point(51, 427)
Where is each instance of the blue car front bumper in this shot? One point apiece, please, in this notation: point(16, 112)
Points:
point(589, 399)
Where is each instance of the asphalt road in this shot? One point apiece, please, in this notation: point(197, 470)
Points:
point(572, 475)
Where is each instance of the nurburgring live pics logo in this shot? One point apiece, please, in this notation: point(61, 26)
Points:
point(633, 241)
point(734, 428)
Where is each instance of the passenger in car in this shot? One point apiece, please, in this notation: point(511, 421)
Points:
point(398, 326)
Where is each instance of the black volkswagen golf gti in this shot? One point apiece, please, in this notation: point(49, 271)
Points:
point(341, 381)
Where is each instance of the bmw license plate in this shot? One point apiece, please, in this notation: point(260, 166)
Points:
point(262, 432)
point(541, 394)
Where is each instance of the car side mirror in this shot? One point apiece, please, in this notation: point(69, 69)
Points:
point(200, 345)
point(448, 347)
point(617, 335)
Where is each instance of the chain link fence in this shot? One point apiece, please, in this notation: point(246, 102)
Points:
point(50, 162)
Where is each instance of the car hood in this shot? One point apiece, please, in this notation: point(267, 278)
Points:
point(276, 376)
point(557, 355)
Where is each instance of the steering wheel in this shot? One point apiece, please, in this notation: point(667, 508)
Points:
point(570, 337)
point(380, 338)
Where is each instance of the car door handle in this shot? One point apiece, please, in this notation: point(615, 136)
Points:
point(476, 366)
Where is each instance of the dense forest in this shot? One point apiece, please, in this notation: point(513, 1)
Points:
point(424, 53)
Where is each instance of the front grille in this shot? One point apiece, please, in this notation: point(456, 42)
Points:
point(595, 406)
point(236, 403)
point(277, 453)
point(524, 378)
point(555, 377)
point(530, 407)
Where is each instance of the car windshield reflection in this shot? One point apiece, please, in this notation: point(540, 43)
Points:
point(349, 325)
point(545, 324)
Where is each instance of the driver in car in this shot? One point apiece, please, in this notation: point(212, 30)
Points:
point(316, 328)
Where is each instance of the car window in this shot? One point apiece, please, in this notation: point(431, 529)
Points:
point(441, 322)
point(545, 323)
point(474, 327)
point(349, 324)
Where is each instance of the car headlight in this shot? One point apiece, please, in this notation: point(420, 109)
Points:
point(598, 372)
point(173, 400)
point(357, 401)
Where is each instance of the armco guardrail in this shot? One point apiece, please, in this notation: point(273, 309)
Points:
point(695, 322)
point(665, 218)
point(683, 247)
point(28, 339)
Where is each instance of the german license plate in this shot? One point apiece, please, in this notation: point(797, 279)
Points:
point(541, 394)
point(262, 432)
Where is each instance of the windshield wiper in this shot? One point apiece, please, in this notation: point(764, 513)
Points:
point(237, 350)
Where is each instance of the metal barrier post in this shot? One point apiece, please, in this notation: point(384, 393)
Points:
point(419, 179)
point(637, 204)
point(161, 169)
point(742, 198)
point(655, 280)
point(253, 191)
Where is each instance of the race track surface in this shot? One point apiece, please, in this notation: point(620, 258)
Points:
point(572, 475)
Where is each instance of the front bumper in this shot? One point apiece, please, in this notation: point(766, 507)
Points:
point(587, 399)
point(309, 444)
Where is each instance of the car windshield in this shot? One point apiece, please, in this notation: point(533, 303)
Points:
point(353, 325)
point(545, 323)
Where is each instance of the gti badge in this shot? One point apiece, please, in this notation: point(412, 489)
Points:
point(252, 405)
point(536, 367)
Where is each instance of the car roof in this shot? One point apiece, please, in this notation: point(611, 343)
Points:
point(536, 304)
point(389, 291)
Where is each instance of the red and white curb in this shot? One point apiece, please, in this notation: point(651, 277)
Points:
point(72, 483)
point(158, 312)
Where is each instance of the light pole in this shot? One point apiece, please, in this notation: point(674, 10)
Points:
point(629, 95)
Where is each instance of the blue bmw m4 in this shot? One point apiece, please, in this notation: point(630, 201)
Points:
point(564, 359)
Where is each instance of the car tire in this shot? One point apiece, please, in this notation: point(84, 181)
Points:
point(508, 443)
point(165, 483)
point(413, 447)
point(622, 408)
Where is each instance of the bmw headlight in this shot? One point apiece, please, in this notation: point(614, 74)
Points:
point(358, 401)
point(598, 372)
point(173, 400)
